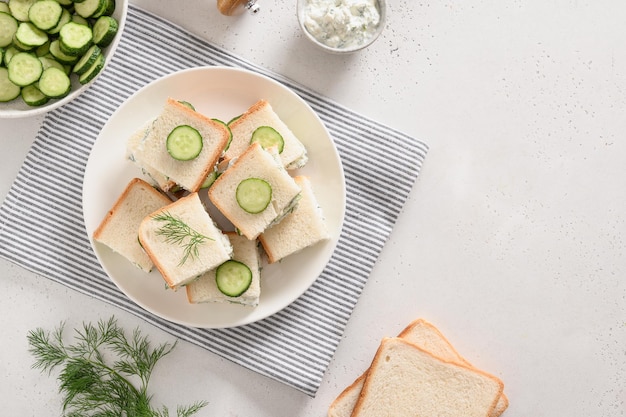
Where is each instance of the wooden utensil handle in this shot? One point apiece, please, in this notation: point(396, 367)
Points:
point(230, 7)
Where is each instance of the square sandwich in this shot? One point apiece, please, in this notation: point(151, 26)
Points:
point(118, 230)
point(304, 227)
point(183, 241)
point(255, 191)
point(261, 124)
point(236, 281)
point(179, 147)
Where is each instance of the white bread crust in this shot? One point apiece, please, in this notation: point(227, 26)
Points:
point(405, 379)
point(151, 153)
point(261, 113)
point(118, 230)
point(255, 162)
point(204, 289)
point(167, 256)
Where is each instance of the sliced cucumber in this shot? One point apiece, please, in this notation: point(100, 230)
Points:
point(30, 36)
point(55, 83)
point(8, 27)
point(80, 20)
point(33, 96)
point(4, 7)
point(230, 134)
point(184, 143)
point(8, 90)
point(75, 38)
point(19, 9)
point(45, 14)
point(209, 180)
point(24, 69)
point(8, 54)
point(93, 71)
point(187, 104)
point(234, 118)
point(88, 8)
point(43, 50)
point(59, 55)
point(253, 195)
point(233, 278)
point(87, 60)
point(104, 31)
point(66, 17)
point(268, 137)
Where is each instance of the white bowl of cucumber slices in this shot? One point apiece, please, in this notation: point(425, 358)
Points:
point(52, 50)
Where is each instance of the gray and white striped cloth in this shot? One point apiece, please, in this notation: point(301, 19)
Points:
point(42, 229)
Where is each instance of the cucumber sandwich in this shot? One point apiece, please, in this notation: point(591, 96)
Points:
point(255, 191)
point(118, 230)
point(235, 281)
point(260, 123)
point(180, 147)
point(183, 241)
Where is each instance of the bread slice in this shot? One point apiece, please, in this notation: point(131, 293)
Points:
point(261, 113)
point(178, 266)
point(304, 227)
point(204, 289)
point(255, 162)
point(424, 335)
point(118, 230)
point(151, 153)
point(132, 146)
point(406, 380)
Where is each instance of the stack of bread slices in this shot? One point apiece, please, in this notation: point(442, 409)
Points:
point(419, 373)
point(190, 162)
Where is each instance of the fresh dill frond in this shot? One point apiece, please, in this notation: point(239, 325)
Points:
point(180, 233)
point(97, 369)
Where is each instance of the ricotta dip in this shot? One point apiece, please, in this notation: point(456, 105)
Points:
point(343, 24)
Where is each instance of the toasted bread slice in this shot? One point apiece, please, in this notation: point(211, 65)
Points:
point(304, 227)
point(406, 380)
point(428, 337)
point(118, 230)
point(177, 264)
point(205, 290)
point(151, 153)
point(255, 162)
point(261, 113)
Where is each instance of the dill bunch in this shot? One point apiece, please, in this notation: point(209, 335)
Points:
point(103, 373)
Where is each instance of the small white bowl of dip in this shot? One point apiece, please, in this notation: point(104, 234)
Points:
point(342, 26)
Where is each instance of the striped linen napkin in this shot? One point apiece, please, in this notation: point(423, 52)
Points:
point(42, 228)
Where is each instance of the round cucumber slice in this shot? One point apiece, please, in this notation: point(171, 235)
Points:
point(8, 90)
point(55, 83)
point(33, 96)
point(184, 143)
point(253, 195)
point(24, 69)
point(268, 137)
point(233, 278)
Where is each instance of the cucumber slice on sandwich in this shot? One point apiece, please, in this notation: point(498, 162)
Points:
point(268, 137)
point(233, 278)
point(184, 143)
point(253, 195)
point(230, 134)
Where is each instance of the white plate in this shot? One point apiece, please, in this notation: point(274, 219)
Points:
point(221, 93)
point(17, 108)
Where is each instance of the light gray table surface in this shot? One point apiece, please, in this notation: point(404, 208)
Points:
point(513, 240)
